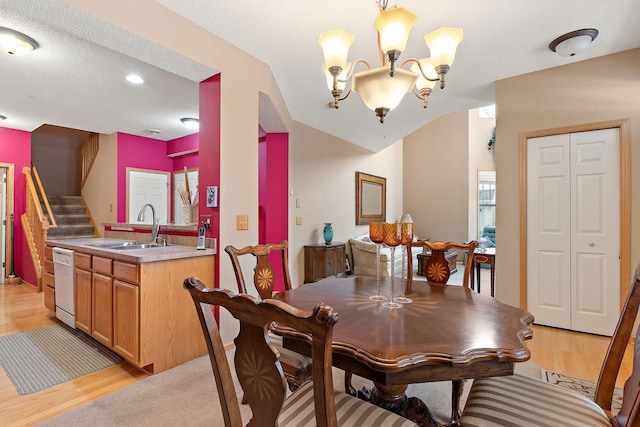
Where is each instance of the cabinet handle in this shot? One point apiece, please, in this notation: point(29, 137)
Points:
point(591, 244)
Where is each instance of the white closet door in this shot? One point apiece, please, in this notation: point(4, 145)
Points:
point(548, 230)
point(595, 234)
point(148, 187)
point(573, 199)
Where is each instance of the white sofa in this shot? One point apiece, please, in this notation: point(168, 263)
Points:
point(363, 256)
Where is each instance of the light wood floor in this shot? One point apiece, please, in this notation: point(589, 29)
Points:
point(23, 309)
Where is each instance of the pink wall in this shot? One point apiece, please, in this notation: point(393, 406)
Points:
point(15, 148)
point(185, 144)
point(273, 152)
point(210, 90)
point(142, 153)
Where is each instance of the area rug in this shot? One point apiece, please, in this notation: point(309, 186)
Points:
point(186, 395)
point(584, 387)
point(41, 358)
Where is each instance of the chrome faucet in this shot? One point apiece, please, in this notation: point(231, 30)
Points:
point(156, 226)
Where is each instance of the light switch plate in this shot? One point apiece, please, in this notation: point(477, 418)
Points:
point(242, 222)
point(298, 220)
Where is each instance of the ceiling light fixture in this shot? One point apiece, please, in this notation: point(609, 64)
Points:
point(135, 79)
point(16, 43)
point(574, 43)
point(383, 88)
point(3, 117)
point(190, 123)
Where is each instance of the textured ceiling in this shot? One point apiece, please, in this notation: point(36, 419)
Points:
point(76, 78)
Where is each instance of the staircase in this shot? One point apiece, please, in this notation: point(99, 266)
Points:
point(71, 215)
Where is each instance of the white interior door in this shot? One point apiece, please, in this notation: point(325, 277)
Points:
point(573, 199)
point(147, 187)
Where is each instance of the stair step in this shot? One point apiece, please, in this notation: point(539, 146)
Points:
point(73, 219)
point(70, 230)
point(65, 200)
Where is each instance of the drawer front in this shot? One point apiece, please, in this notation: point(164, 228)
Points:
point(126, 271)
point(48, 252)
point(102, 265)
point(49, 297)
point(48, 266)
point(484, 259)
point(49, 280)
point(82, 261)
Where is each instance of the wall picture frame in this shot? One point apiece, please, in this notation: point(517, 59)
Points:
point(371, 198)
point(212, 196)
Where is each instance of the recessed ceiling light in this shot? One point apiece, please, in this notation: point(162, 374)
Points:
point(135, 79)
point(16, 43)
point(190, 123)
point(154, 131)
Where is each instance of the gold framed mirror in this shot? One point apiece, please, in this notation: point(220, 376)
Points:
point(371, 198)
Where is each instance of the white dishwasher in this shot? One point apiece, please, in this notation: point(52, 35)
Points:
point(63, 264)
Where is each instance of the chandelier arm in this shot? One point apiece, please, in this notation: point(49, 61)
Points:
point(353, 67)
point(420, 68)
point(415, 92)
point(345, 97)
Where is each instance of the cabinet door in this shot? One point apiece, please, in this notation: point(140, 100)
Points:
point(125, 320)
point(102, 309)
point(83, 300)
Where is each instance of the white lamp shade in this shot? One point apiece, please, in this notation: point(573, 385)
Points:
point(406, 218)
point(341, 83)
point(443, 43)
point(379, 90)
point(335, 45)
point(574, 45)
point(393, 26)
point(428, 69)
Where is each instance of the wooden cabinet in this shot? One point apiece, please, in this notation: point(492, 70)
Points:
point(323, 260)
point(140, 309)
point(83, 299)
point(48, 280)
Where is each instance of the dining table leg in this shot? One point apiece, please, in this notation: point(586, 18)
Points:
point(394, 399)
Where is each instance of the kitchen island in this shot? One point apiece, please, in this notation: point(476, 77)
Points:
point(132, 300)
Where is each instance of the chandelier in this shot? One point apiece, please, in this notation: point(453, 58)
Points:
point(383, 88)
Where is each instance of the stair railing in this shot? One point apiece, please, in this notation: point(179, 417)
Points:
point(42, 196)
point(89, 153)
point(35, 224)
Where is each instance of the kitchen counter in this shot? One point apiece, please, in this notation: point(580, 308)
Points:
point(155, 254)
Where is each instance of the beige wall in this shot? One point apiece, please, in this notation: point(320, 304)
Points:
point(596, 90)
point(100, 190)
point(436, 177)
point(322, 173)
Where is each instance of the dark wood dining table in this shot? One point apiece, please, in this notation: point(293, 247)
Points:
point(447, 333)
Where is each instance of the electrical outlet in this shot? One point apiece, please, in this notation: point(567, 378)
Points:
point(242, 222)
point(298, 220)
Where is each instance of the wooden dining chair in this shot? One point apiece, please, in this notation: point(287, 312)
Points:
point(258, 368)
point(436, 268)
point(521, 401)
point(297, 367)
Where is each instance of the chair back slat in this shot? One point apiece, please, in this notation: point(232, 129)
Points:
point(613, 359)
point(256, 361)
point(264, 275)
point(436, 267)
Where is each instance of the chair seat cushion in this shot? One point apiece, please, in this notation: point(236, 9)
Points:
point(287, 356)
point(522, 401)
point(299, 410)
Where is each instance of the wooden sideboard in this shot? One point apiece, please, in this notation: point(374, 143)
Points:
point(324, 260)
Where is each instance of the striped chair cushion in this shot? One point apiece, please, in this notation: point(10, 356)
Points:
point(520, 401)
point(299, 410)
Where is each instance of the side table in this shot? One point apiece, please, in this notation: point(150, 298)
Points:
point(323, 260)
point(486, 256)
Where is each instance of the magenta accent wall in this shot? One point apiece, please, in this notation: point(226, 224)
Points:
point(15, 148)
point(273, 188)
point(142, 153)
point(180, 145)
point(210, 91)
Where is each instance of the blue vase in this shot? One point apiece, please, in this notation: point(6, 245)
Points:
point(327, 232)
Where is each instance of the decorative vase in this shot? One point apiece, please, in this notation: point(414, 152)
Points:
point(327, 232)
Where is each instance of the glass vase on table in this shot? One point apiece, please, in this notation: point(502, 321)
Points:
point(376, 234)
point(392, 238)
point(406, 237)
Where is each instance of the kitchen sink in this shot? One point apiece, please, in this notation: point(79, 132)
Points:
point(137, 246)
point(109, 245)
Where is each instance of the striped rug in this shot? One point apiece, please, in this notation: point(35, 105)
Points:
point(41, 358)
point(584, 387)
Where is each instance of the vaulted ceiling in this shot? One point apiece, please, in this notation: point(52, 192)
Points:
point(76, 78)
